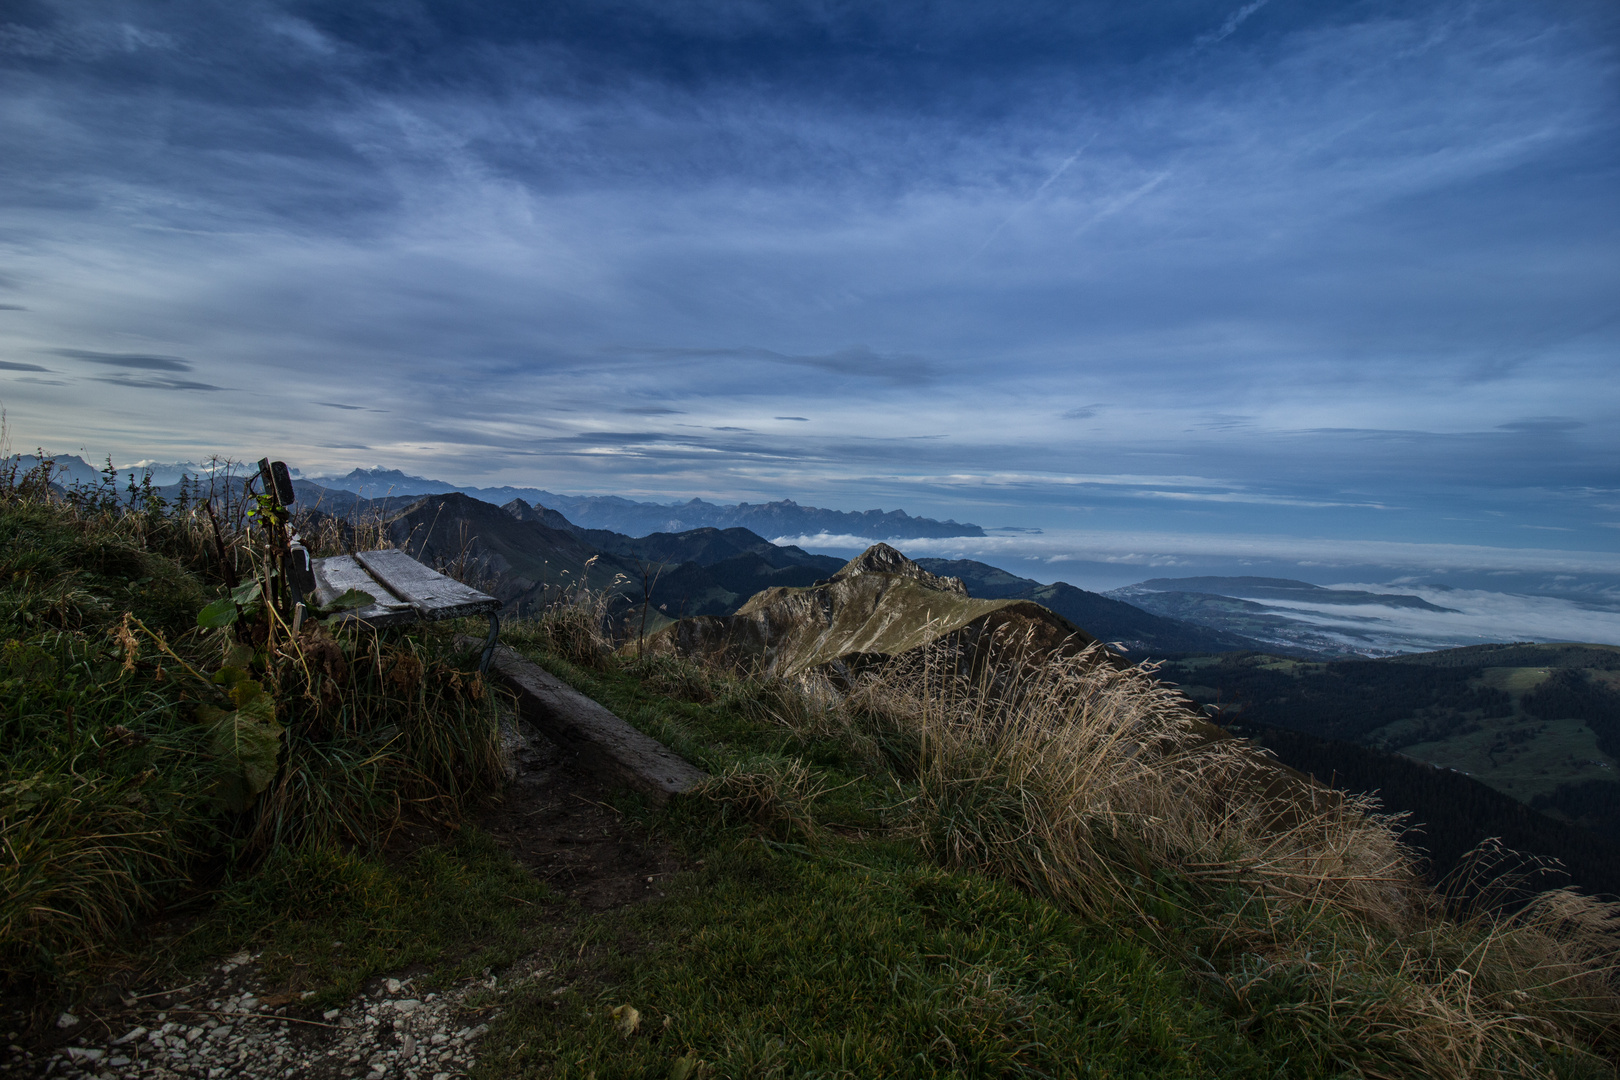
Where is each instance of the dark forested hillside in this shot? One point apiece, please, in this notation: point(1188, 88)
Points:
point(1339, 700)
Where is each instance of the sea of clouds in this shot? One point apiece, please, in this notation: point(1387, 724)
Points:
point(1494, 594)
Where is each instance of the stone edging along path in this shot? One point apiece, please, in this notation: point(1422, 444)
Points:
point(602, 742)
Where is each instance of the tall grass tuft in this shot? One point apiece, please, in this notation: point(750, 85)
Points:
point(576, 628)
point(374, 728)
point(1082, 781)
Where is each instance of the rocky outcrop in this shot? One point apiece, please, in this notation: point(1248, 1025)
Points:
point(879, 605)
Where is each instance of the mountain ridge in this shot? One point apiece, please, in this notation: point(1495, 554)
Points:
point(782, 517)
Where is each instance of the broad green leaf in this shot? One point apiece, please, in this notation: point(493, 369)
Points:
point(354, 598)
point(231, 674)
point(221, 612)
point(246, 740)
point(246, 594)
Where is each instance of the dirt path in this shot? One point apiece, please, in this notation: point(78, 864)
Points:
point(559, 822)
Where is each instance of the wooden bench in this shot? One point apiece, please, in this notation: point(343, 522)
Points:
point(402, 589)
point(405, 591)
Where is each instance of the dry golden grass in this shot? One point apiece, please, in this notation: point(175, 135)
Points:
point(1095, 785)
point(771, 794)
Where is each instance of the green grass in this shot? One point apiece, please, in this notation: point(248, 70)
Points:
point(1520, 755)
point(326, 920)
point(770, 962)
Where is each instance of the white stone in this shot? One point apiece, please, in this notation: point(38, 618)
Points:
point(129, 1036)
point(66, 1020)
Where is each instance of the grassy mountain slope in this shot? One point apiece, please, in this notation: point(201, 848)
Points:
point(880, 604)
point(1451, 814)
point(143, 755)
point(1487, 711)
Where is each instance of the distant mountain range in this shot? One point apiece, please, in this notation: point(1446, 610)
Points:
point(781, 518)
point(531, 555)
point(70, 469)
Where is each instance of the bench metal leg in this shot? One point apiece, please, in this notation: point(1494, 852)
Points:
point(489, 646)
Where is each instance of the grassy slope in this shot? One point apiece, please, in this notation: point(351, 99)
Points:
point(110, 790)
point(852, 957)
point(835, 949)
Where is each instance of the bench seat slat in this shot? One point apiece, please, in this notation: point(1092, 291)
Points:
point(338, 574)
point(431, 594)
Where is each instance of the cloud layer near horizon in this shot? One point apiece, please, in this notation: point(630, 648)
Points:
point(1294, 270)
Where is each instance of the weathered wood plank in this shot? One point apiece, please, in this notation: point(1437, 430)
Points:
point(432, 594)
point(338, 574)
point(605, 744)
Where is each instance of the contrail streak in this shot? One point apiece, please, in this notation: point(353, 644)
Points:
point(1232, 22)
point(1027, 203)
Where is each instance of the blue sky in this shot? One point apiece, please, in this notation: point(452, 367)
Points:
point(1204, 276)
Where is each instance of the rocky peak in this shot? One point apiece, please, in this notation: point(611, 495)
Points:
point(521, 510)
point(883, 559)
